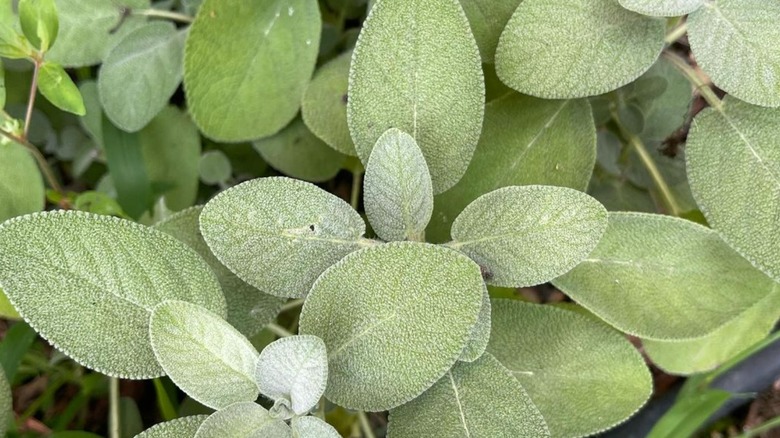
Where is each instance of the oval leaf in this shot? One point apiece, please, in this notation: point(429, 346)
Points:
point(583, 376)
point(280, 234)
point(214, 167)
point(184, 427)
point(6, 408)
point(425, 295)
point(398, 195)
point(255, 88)
point(488, 20)
point(664, 278)
point(480, 334)
point(204, 355)
point(246, 419)
point(21, 184)
point(57, 87)
point(313, 427)
point(39, 22)
point(416, 67)
point(575, 48)
point(662, 8)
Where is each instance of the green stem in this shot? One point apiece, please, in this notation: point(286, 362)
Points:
point(321, 408)
point(676, 33)
point(357, 181)
point(365, 425)
point(693, 77)
point(764, 427)
point(292, 304)
point(158, 13)
point(113, 418)
point(47, 171)
point(278, 330)
point(31, 99)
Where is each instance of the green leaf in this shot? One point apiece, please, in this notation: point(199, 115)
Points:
point(479, 399)
point(734, 43)
point(2, 85)
point(398, 195)
point(80, 279)
point(214, 167)
point(312, 427)
point(203, 355)
point(295, 370)
point(7, 310)
point(298, 153)
point(245, 419)
point(39, 22)
point(127, 168)
point(280, 234)
point(598, 47)
point(248, 309)
point(619, 195)
point(92, 121)
point(5, 404)
point(525, 141)
point(689, 414)
point(130, 422)
point(662, 8)
point(583, 376)
point(528, 235)
point(16, 343)
point(480, 333)
point(184, 427)
point(740, 145)
point(488, 19)
point(664, 278)
point(255, 88)
point(21, 184)
point(324, 105)
point(57, 87)
point(141, 73)
point(416, 67)
point(363, 306)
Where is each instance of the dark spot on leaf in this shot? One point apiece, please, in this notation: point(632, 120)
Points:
point(311, 227)
point(486, 274)
point(344, 99)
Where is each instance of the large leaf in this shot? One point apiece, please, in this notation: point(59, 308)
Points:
point(5, 403)
point(740, 145)
point(80, 279)
point(662, 8)
point(127, 168)
point(559, 49)
point(140, 74)
point(398, 195)
point(279, 234)
point(479, 399)
point(247, 64)
point(583, 376)
point(480, 334)
point(204, 355)
point(394, 318)
point(21, 184)
point(312, 427)
point(245, 419)
point(734, 42)
point(416, 67)
point(184, 427)
point(488, 19)
point(660, 277)
point(525, 141)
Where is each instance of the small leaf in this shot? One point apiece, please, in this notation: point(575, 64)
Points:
point(39, 22)
point(662, 8)
point(664, 278)
point(598, 47)
point(127, 168)
point(12, 44)
point(528, 235)
point(214, 167)
point(294, 369)
point(479, 399)
point(398, 193)
point(689, 414)
point(184, 427)
point(393, 320)
point(21, 183)
point(59, 89)
point(280, 234)
point(204, 355)
point(312, 427)
point(416, 67)
point(583, 376)
point(7, 310)
point(6, 408)
point(245, 419)
point(80, 279)
point(488, 20)
point(480, 334)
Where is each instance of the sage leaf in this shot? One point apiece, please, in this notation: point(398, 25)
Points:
point(57, 87)
point(254, 89)
point(734, 43)
point(6, 408)
point(480, 334)
point(184, 427)
point(740, 145)
point(21, 183)
point(202, 354)
point(280, 234)
point(528, 235)
point(398, 194)
point(662, 8)
point(214, 167)
point(664, 278)
point(312, 427)
point(39, 22)
point(417, 68)
point(457, 406)
point(488, 20)
point(598, 47)
point(583, 376)
point(81, 278)
point(393, 320)
point(244, 419)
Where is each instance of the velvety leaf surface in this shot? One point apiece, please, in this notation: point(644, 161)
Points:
point(487, 20)
point(394, 318)
point(280, 234)
point(559, 49)
point(255, 88)
point(245, 419)
point(312, 427)
point(480, 334)
point(5, 403)
point(660, 277)
point(184, 427)
point(662, 8)
point(583, 376)
point(479, 399)
point(21, 184)
point(417, 68)
point(81, 278)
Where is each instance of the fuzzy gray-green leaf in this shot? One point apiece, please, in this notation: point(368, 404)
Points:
point(662, 8)
point(480, 334)
point(488, 19)
point(245, 420)
point(312, 427)
point(21, 184)
point(184, 427)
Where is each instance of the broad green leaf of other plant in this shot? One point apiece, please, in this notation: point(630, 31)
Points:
point(583, 376)
point(245, 419)
point(279, 234)
point(184, 427)
point(312, 427)
point(398, 194)
point(524, 141)
point(127, 168)
point(214, 167)
point(488, 19)
point(527, 235)
point(203, 355)
point(394, 318)
point(479, 399)
point(141, 73)
point(664, 278)
point(662, 8)
point(255, 88)
point(7, 309)
point(21, 184)
point(560, 49)
point(416, 67)
point(80, 279)
point(689, 413)
point(58, 88)
point(480, 334)
point(39, 22)
point(735, 43)
point(5, 403)
point(740, 145)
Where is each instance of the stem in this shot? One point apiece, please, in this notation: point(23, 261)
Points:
point(278, 330)
point(292, 304)
point(694, 78)
point(676, 33)
point(47, 171)
point(764, 427)
point(31, 100)
point(357, 181)
point(113, 419)
point(365, 425)
point(158, 13)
